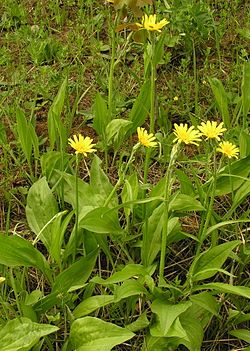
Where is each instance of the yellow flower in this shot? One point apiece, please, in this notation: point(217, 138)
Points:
point(176, 98)
point(82, 145)
point(212, 130)
point(145, 138)
point(149, 23)
point(185, 134)
point(2, 279)
point(228, 149)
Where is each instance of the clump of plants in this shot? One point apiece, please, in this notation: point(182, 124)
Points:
point(111, 258)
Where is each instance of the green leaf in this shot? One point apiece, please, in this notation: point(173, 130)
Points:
point(193, 329)
point(27, 135)
point(186, 183)
point(101, 116)
point(56, 129)
point(152, 343)
point(245, 88)
point(238, 171)
point(91, 304)
point(76, 275)
point(242, 334)
point(21, 334)
point(93, 334)
point(101, 220)
point(58, 228)
point(167, 314)
point(24, 135)
point(130, 193)
point(116, 131)
point(221, 99)
point(240, 195)
point(52, 161)
point(40, 210)
point(100, 184)
point(183, 202)
point(206, 301)
point(131, 270)
point(129, 288)
point(88, 197)
point(244, 141)
point(141, 323)
point(209, 262)
point(222, 224)
point(226, 288)
point(140, 109)
point(3, 136)
point(16, 251)
point(152, 231)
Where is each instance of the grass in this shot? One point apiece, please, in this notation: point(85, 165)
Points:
point(130, 247)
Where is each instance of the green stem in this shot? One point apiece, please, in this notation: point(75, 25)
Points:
point(122, 177)
point(210, 209)
point(13, 283)
point(152, 105)
point(77, 208)
point(153, 76)
point(112, 67)
point(167, 193)
point(196, 88)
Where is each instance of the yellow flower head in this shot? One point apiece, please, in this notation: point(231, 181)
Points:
point(82, 145)
point(176, 98)
point(2, 279)
point(186, 135)
point(145, 138)
point(149, 23)
point(228, 149)
point(211, 130)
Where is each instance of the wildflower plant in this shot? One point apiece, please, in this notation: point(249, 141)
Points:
point(113, 251)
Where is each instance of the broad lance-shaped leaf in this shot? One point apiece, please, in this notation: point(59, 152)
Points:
point(93, 334)
point(101, 116)
point(231, 177)
point(209, 262)
point(140, 108)
point(243, 291)
point(242, 334)
point(116, 131)
point(167, 314)
point(100, 183)
point(76, 275)
point(101, 220)
point(21, 334)
point(126, 273)
point(41, 208)
point(56, 127)
point(129, 288)
point(183, 202)
point(206, 301)
point(221, 99)
point(16, 251)
point(91, 304)
point(245, 88)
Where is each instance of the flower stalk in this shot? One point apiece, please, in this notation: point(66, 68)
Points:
point(167, 194)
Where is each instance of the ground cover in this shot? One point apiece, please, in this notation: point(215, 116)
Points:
point(124, 183)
